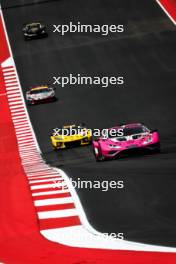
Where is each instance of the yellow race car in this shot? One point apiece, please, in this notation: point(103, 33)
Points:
point(70, 136)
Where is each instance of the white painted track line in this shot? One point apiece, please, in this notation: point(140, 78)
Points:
point(50, 192)
point(50, 175)
point(56, 179)
point(43, 186)
point(57, 213)
point(171, 18)
point(53, 201)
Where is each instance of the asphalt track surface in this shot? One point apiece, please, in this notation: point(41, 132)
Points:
point(145, 54)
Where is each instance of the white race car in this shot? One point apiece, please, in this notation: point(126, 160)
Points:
point(40, 94)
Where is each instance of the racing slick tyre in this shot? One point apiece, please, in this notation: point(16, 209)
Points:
point(156, 148)
point(55, 148)
point(81, 124)
point(26, 38)
point(99, 156)
point(30, 103)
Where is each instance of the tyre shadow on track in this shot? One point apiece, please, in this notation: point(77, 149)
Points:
point(73, 156)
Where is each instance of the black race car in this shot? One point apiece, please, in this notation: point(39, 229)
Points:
point(34, 30)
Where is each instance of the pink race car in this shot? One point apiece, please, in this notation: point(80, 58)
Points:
point(134, 136)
